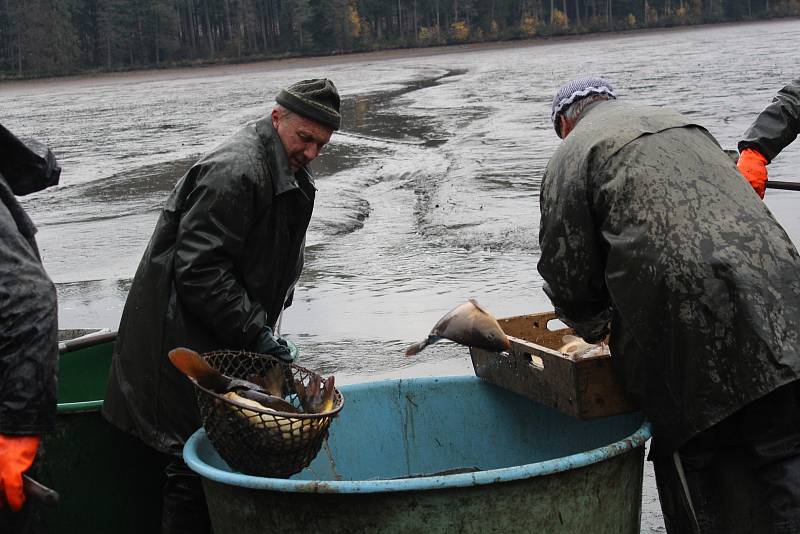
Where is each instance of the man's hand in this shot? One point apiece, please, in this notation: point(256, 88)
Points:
point(591, 329)
point(267, 343)
point(16, 456)
point(753, 165)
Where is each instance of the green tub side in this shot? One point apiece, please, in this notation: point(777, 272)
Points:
point(108, 481)
point(82, 374)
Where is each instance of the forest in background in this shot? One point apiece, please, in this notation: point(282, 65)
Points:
point(53, 37)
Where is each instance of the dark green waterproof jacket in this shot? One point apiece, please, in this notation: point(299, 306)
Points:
point(28, 307)
point(221, 264)
point(776, 126)
point(647, 222)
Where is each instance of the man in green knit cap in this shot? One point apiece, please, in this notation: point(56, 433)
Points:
point(218, 271)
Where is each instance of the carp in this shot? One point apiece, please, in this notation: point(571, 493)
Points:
point(317, 396)
point(577, 347)
point(259, 400)
point(467, 324)
point(202, 373)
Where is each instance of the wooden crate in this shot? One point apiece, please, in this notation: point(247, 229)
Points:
point(584, 387)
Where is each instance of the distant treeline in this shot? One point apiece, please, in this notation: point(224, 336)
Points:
point(43, 37)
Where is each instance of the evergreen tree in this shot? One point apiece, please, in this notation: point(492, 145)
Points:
point(45, 37)
point(41, 37)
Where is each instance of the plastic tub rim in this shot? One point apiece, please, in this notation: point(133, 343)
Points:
point(75, 407)
point(460, 480)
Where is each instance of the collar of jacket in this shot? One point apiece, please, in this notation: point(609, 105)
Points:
point(282, 178)
point(591, 107)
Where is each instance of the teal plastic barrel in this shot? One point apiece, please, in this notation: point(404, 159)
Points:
point(447, 454)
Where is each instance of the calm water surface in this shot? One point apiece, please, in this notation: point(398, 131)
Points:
point(427, 196)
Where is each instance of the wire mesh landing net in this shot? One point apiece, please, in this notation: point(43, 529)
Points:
point(256, 441)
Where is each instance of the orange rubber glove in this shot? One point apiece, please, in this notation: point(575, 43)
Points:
point(754, 167)
point(16, 456)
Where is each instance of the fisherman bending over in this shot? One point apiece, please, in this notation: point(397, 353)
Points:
point(218, 271)
point(647, 233)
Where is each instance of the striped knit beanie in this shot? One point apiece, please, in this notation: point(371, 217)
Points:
point(576, 90)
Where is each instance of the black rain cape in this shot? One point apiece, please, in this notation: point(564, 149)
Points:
point(647, 222)
point(28, 306)
point(221, 264)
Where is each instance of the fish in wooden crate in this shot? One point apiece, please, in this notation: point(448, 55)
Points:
point(577, 347)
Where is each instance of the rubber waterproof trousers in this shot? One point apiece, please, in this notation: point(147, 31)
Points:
point(742, 475)
point(26, 521)
point(184, 506)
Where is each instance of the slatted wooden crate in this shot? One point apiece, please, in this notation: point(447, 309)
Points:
point(583, 387)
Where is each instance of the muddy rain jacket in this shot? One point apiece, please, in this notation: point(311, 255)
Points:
point(28, 306)
point(221, 264)
point(647, 222)
point(778, 125)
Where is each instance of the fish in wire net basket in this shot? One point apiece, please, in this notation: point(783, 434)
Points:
point(256, 440)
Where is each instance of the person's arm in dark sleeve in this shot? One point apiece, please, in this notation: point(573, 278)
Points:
point(774, 128)
point(220, 212)
point(29, 312)
point(28, 337)
point(777, 126)
point(571, 261)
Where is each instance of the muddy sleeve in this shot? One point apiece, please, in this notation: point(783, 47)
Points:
point(220, 211)
point(571, 261)
point(778, 125)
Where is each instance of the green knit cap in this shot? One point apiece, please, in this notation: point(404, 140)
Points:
point(317, 100)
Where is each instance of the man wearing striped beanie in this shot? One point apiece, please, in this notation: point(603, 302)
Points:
point(649, 236)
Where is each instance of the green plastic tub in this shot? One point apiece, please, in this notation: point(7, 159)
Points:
point(109, 482)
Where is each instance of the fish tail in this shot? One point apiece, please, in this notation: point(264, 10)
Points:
point(327, 394)
point(417, 347)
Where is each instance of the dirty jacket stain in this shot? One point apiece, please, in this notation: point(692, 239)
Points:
point(221, 264)
point(647, 222)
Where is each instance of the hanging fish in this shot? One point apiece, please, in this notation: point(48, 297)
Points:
point(467, 324)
